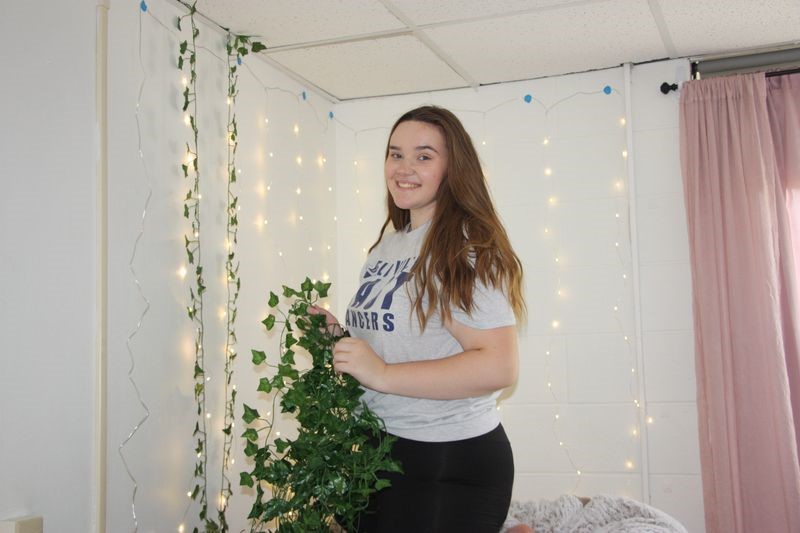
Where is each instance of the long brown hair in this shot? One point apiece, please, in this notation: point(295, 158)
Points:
point(466, 241)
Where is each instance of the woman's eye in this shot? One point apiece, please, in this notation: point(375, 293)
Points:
point(424, 157)
point(394, 156)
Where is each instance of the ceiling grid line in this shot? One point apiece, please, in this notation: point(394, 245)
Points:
point(663, 30)
point(449, 61)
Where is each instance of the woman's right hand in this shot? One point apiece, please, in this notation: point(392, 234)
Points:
point(332, 324)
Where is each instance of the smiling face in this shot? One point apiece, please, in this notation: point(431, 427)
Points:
point(416, 164)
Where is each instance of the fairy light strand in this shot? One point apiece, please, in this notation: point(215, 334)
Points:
point(147, 180)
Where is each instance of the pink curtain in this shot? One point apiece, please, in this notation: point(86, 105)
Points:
point(744, 298)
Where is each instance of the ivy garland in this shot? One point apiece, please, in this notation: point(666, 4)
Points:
point(191, 211)
point(237, 46)
point(329, 471)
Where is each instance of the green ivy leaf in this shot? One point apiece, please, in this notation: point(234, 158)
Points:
point(250, 414)
point(258, 357)
point(273, 299)
point(269, 322)
point(245, 479)
point(322, 289)
point(250, 434)
point(250, 449)
point(257, 46)
point(290, 341)
point(264, 385)
point(184, 45)
point(307, 285)
point(281, 445)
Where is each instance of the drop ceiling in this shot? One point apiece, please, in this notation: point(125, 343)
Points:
point(362, 48)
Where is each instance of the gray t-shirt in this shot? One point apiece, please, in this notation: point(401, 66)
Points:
point(381, 314)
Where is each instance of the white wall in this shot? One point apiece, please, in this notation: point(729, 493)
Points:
point(580, 371)
point(47, 261)
point(160, 453)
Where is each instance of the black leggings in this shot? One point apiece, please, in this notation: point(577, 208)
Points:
point(461, 486)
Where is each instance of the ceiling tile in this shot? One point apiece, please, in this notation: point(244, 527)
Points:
point(423, 12)
point(283, 22)
point(376, 67)
point(572, 39)
point(712, 27)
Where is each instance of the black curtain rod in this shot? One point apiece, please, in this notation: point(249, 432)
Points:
point(782, 72)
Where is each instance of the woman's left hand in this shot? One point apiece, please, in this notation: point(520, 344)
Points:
point(357, 358)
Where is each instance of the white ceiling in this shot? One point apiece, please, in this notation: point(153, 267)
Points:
point(360, 48)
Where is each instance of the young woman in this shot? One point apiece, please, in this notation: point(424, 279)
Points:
point(433, 334)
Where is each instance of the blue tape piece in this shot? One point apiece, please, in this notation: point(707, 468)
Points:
point(607, 89)
point(330, 114)
point(528, 98)
point(143, 6)
point(304, 95)
point(238, 60)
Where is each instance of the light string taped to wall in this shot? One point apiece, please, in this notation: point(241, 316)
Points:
point(148, 181)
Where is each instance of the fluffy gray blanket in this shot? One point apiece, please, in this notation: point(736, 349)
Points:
point(602, 514)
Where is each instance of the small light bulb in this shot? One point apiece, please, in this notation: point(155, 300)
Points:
point(546, 141)
point(616, 308)
point(329, 247)
point(186, 119)
point(625, 154)
point(280, 254)
point(266, 121)
point(265, 222)
point(310, 249)
point(278, 433)
point(298, 191)
point(560, 443)
point(299, 160)
point(557, 416)
point(622, 121)
point(633, 370)
point(364, 250)
point(208, 415)
point(182, 272)
point(552, 200)
point(629, 465)
point(189, 494)
point(296, 129)
point(483, 143)
point(271, 155)
point(330, 189)
point(184, 81)
point(301, 218)
point(548, 171)
point(616, 215)
point(360, 219)
point(547, 230)
point(229, 101)
point(634, 432)
point(181, 527)
point(578, 472)
point(355, 163)
point(649, 419)
point(358, 191)
point(335, 219)
point(549, 384)
point(555, 324)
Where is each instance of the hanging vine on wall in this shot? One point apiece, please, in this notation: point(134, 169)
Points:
point(187, 59)
point(237, 46)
